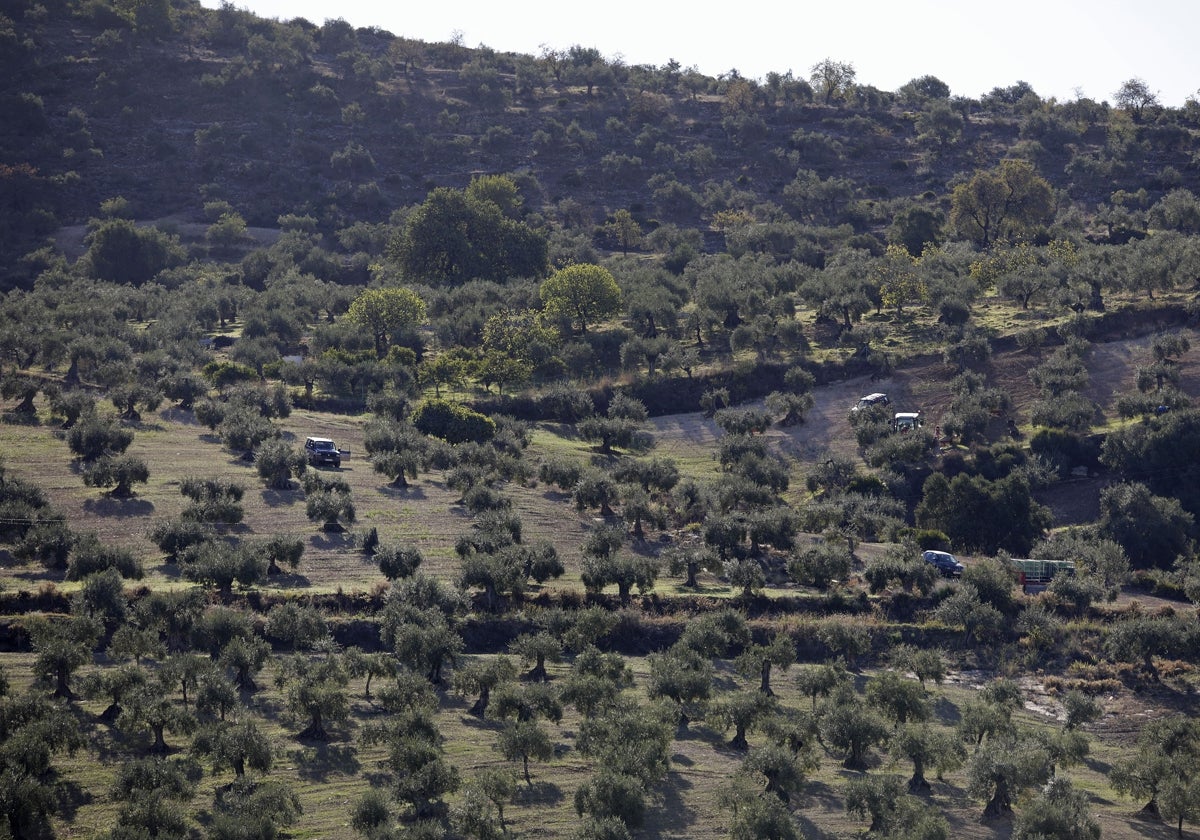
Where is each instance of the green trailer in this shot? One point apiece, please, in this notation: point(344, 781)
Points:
point(1039, 573)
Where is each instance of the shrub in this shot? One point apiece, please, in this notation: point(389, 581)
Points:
point(89, 556)
point(175, 535)
point(565, 404)
point(1065, 450)
point(452, 422)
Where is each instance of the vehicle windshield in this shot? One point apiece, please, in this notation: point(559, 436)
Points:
point(322, 445)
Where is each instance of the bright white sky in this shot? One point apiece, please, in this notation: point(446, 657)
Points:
point(1063, 48)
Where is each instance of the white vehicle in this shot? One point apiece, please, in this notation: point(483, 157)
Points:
point(870, 400)
point(906, 421)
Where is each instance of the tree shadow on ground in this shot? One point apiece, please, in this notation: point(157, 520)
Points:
point(270, 709)
point(946, 711)
point(20, 418)
point(824, 794)
point(69, 797)
point(1140, 824)
point(117, 507)
point(289, 580)
point(409, 493)
point(333, 541)
point(279, 498)
point(482, 724)
point(316, 760)
point(672, 814)
point(180, 416)
point(700, 733)
point(541, 793)
point(40, 575)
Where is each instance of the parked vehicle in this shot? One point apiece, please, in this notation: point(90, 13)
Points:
point(944, 562)
point(907, 421)
point(870, 400)
point(322, 452)
point(1035, 575)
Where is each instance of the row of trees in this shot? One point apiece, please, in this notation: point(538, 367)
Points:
point(181, 668)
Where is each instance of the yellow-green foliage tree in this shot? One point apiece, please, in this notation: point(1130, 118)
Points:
point(581, 294)
point(384, 311)
point(1001, 204)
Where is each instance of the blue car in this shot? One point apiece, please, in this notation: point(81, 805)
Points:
point(945, 563)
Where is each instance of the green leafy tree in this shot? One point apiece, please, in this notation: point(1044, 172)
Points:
point(396, 449)
point(456, 236)
point(816, 681)
point(120, 472)
point(623, 229)
point(1167, 758)
point(1057, 811)
point(316, 692)
point(620, 568)
point(492, 788)
point(580, 294)
point(760, 660)
point(236, 747)
point(245, 657)
point(900, 700)
point(683, 676)
point(220, 564)
point(253, 807)
point(185, 671)
point(154, 792)
point(832, 80)
point(1135, 96)
point(595, 682)
point(453, 422)
point(621, 426)
point(121, 252)
point(277, 462)
point(741, 711)
point(980, 514)
point(525, 740)
point(328, 502)
point(926, 747)
point(95, 436)
point(397, 561)
point(849, 726)
point(113, 684)
point(1001, 204)
point(423, 640)
point(90, 556)
point(150, 707)
point(479, 677)
point(386, 311)
point(1000, 770)
point(33, 728)
point(1138, 639)
point(295, 625)
point(779, 769)
point(1153, 529)
point(62, 648)
point(899, 280)
point(213, 500)
point(755, 817)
